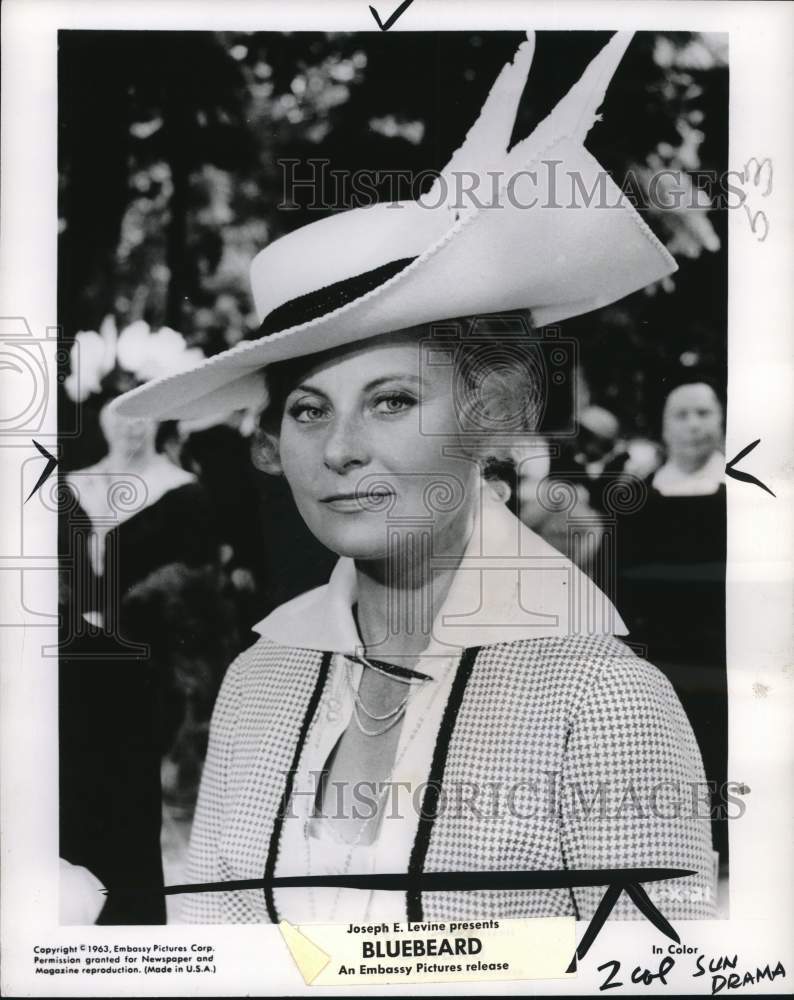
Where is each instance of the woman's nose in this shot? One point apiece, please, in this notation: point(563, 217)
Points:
point(346, 446)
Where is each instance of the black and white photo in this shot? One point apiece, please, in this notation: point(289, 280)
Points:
point(398, 567)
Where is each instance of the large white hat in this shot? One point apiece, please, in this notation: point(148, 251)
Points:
point(497, 231)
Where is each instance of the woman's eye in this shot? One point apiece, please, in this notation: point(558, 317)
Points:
point(306, 413)
point(396, 402)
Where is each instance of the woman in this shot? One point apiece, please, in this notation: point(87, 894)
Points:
point(693, 437)
point(144, 632)
point(134, 493)
point(454, 698)
point(673, 569)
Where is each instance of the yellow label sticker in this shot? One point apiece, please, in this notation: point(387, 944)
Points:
point(310, 959)
point(431, 952)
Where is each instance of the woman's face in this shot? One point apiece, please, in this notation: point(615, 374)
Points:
point(362, 447)
point(127, 438)
point(692, 423)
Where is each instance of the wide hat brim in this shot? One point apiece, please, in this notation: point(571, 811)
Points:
point(553, 235)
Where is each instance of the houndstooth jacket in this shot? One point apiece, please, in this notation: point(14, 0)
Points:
point(587, 753)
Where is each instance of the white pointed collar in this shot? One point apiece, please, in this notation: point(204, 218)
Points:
point(510, 585)
point(671, 481)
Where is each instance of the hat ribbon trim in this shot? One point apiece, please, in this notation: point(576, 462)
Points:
point(313, 305)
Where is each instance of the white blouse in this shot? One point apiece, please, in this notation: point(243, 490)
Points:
point(312, 847)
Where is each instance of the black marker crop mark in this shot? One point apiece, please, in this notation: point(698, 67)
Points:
point(616, 879)
point(745, 477)
point(597, 921)
point(398, 13)
point(51, 463)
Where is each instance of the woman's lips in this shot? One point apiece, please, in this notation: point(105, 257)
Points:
point(352, 503)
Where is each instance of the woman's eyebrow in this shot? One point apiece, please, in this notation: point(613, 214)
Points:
point(400, 377)
point(308, 387)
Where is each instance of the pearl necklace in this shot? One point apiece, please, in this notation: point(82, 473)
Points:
point(391, 718)
point(380, 798)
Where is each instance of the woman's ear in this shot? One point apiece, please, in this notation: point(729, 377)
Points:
point(265, 453)
point(499, 489)
point(498, 470)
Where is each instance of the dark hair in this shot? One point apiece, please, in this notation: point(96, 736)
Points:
point(498, 388)
point(113, 384)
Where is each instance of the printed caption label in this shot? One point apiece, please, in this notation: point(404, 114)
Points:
point(104, 960)
point(431, 952)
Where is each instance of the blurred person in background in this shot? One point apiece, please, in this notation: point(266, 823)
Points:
point(672, 571)
point(146, 630)
point(693, 436)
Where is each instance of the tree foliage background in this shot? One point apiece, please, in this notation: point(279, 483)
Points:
point(171, 151)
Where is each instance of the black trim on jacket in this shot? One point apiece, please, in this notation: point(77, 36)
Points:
point(275, 837)
point(427, 816)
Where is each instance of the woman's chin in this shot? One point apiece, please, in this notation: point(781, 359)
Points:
point(355, 540)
